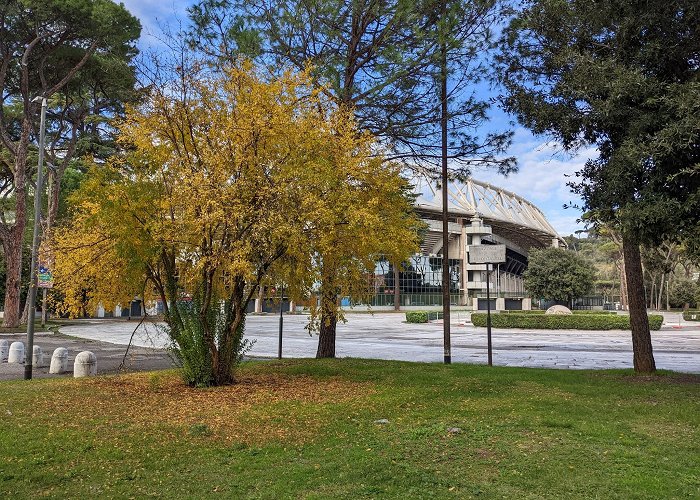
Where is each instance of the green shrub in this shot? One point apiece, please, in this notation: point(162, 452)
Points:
point(422, 316)
point(589, 321)
point(589, 311)
point(190, 348)
point(417, 317)
point(691, 315)
point(542, 311)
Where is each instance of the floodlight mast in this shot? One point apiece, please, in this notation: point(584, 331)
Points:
point(31, 307)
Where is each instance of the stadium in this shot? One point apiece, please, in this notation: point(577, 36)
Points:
point(479, 214)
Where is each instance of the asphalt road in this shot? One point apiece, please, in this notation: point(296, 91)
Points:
point(109, 355)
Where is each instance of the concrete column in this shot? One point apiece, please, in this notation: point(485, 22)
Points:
point(475, 304)
point(4, 350)
point(463, 256)
point(59, 360)
point(85, 365)
point(292, 306)
point(259, 301)
point(16, 354)
point(37, 356)
point(500, 304)
point(527, 304)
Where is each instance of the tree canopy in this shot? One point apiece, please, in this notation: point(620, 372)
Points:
point(75, 54)
point(558, 274)
point(229, 183)
point(622, 75)
point(381, 59)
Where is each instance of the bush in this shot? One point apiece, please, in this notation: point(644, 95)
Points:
point(588, 321)
point(190, 348)
point(691, 315)
point(542, 311)
point(683, 291)
point(422, 316)
point(417, 317)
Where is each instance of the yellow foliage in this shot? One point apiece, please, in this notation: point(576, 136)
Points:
point(229, 184)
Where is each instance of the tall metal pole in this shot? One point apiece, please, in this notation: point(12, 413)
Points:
point(35, 247)
point(488, 316)
point(445, 218)
point(279, 345)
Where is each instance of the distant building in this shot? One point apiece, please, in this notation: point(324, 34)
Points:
point(480, 214)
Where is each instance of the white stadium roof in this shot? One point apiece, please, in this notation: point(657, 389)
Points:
point(509, 214)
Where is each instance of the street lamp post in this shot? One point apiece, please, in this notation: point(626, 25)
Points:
point(35, 244)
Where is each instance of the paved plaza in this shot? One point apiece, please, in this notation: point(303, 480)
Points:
point(387, 336)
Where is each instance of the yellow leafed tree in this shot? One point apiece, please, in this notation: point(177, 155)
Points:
point(224, 184)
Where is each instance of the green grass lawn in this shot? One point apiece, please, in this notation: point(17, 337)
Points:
point(307, 429)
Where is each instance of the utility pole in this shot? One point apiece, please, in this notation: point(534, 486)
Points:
point(279, 345)
point(488, 317)
point(35, 244)
point(445, 213)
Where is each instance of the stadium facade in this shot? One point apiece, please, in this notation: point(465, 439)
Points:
point(479, 214)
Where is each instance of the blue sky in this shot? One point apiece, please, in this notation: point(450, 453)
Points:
point(544, 168)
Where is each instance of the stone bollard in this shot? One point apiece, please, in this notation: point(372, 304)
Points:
point(85, 365)
point(59, 360)
point(37, 357)
point(16, 354)
point(4, 350)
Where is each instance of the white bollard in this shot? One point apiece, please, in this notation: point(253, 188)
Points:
point(37, 357)
point(85, 365)
point(4, 350)
point(59, 360)
point(16, 354)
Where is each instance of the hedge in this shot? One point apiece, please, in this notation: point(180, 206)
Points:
point(691, 315)
point(417, 317)
point(563, 321)
point(422, 316)
point(542, 311)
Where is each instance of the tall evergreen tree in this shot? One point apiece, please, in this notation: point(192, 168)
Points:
point(623, 75)
point(45, 47)
point(382, 60)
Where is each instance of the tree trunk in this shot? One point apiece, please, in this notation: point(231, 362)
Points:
point(329, 313)
point(624, 297)
point(643, 354)
point(12, 249)
point(13, 236)
point(659, 302)
point(229, 346)
point(326, 336)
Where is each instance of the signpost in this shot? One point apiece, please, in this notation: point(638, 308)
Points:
point(45, 282)
point(45, 279)
point(489, 255)
point(279, 345)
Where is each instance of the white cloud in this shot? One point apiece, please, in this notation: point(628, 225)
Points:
point(155, 14)
point(544, 170)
